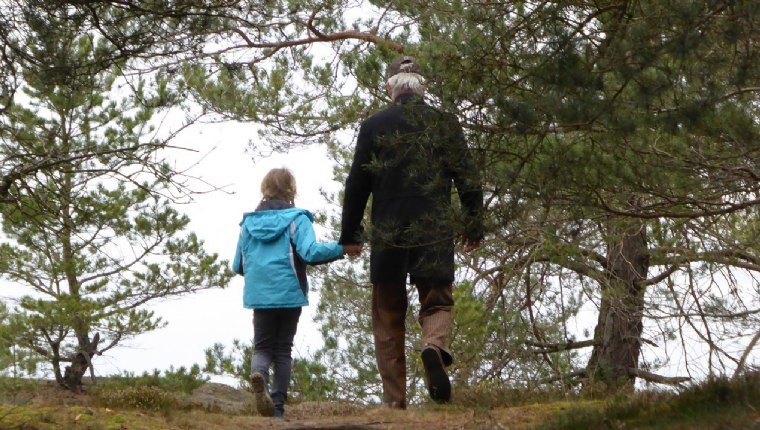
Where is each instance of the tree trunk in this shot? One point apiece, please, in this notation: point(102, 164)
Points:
point(80, 362)
point(617, 336)
point(55, 360)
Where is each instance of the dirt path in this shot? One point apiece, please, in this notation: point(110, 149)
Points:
point(220, 407)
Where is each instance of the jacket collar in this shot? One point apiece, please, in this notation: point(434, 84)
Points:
point(273, 205)
point(408, 98)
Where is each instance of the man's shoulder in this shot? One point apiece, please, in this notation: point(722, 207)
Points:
point(397, 111)
point(382, 115)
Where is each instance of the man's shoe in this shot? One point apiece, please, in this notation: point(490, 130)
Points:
point(264, 404)
point(438, 383)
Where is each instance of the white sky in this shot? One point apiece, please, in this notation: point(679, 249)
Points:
point(197, 321)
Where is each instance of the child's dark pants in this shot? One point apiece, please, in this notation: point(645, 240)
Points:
point(273, 333)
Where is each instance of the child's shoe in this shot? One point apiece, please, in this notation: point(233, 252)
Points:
point(264, 404)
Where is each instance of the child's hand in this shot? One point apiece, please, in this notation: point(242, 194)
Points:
point(352, 249)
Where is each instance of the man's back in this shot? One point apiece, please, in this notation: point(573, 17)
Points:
point(407, 157)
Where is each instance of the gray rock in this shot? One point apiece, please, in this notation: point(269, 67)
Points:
point(217, 397)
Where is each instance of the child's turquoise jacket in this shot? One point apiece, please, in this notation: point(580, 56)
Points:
point(272, 252)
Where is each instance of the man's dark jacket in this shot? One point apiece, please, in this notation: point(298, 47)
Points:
point(407, 157)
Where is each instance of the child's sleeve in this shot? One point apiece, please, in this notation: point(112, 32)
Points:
point(237, 262)
point(307, 247)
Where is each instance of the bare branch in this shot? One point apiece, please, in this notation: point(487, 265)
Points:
point(659, 379)
point(571, 375)
point(319, 37)
point(558, 347)
point(659, 278)
point(747, 351)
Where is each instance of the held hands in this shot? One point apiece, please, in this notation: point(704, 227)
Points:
point(352, 249)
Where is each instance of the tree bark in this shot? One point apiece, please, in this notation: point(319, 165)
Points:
point(617, 336)
point(80, 362)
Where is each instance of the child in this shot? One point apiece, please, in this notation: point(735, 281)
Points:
point(276, 243)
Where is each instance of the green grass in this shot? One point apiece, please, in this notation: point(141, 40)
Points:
point(151, 402)
point(485, 396)
point(720, 403)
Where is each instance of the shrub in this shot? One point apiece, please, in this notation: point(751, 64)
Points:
point(143, 397)
point(151, 391)
point(179, 381)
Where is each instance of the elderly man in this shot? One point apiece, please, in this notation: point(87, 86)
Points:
point(407, 157)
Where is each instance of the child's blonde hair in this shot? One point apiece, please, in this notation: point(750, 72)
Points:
point(279, 184)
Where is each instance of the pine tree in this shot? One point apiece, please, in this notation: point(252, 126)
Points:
point(92, 235)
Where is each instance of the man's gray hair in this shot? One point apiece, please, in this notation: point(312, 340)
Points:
point(402, 83)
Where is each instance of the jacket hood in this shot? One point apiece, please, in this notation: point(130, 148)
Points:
point(267, 225)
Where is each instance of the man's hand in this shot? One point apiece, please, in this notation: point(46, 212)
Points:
point(352, 249)
point(471, 245)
